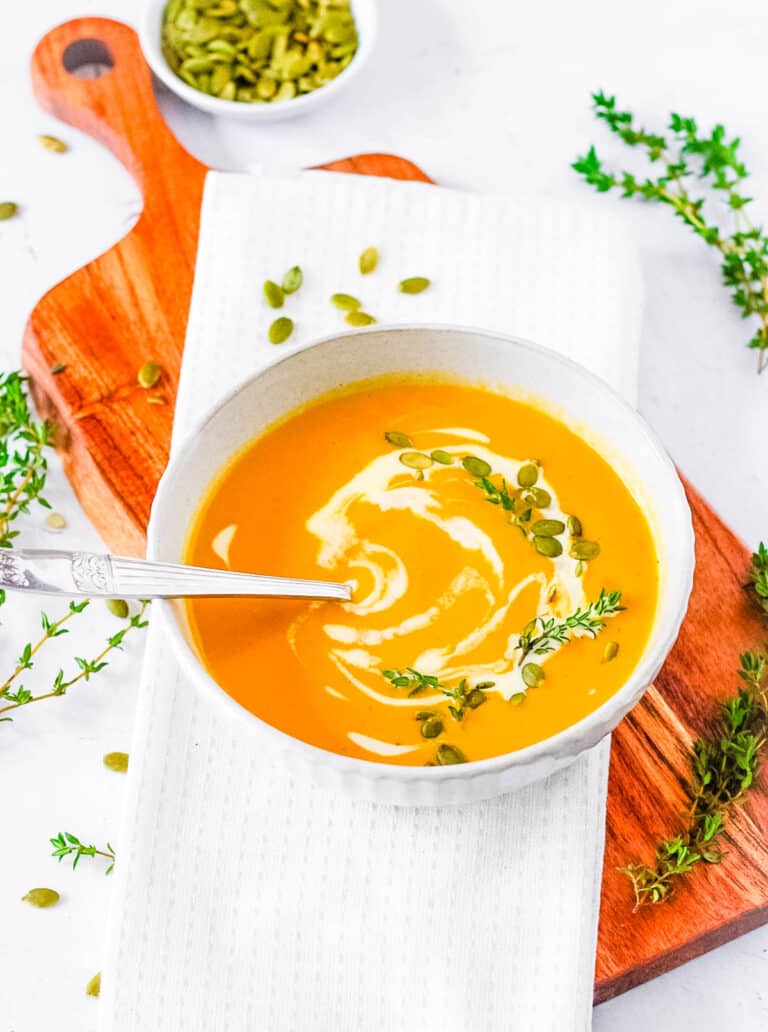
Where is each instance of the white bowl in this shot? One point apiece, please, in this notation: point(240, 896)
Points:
point(366, 16)
point(516, 367)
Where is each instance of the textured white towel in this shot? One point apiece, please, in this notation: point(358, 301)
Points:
point(245, 902)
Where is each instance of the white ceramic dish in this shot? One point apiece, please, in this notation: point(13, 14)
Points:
point(366, 16)
point(516, 367)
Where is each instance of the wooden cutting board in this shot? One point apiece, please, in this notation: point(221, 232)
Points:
point(130, 306)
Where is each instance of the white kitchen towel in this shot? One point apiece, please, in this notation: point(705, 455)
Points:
point(247, 902)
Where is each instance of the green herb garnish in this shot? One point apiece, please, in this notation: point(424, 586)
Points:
point(66, 845)
point(686, 159)
point(757, 584)
point(544, 634)
point(723, 768)
point(23, 461)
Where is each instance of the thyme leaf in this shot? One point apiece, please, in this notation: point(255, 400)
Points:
point(723, 769)
point(685, 160)
point(544, 634)
point(757, 583)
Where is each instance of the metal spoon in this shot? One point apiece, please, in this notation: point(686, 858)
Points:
point(52, 572)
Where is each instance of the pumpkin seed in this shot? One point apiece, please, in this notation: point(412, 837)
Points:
point(415, 460)
point(438, 455)
point(55, 521)
point(528, 474)
point(8, 209)
point(346, 302)
point(273, 294)
point(93, 988)
point(574, 526)
point(425, 714)
point(537, 497)
point(116, 761)
point(476, 467)
point(517, 698)
point(359, 319)
point(476, 698)
point(369, 259)
point(397, 439)
point(413, 285)
point(581, 549)
point(292, 280)
point(532, 675)
point(432, 727)
point(579, 568)
point(610, 651)
point(448, 754)
point(57, 368)
point(118, 607)
point(548, 546)
point(280, 330)
point(547, 528)
point(53, 143)
point(41, 897)
point(149, 375)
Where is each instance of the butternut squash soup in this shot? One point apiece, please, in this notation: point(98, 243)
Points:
point(504, 577)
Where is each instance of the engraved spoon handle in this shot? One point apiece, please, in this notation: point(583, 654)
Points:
point(52, 572)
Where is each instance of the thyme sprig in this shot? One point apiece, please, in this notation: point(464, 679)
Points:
point(544, 634)
point(462, 695)
point(686, 158)
point(757, 582)
point(723, 768)
point(86, 668)
point(66, 845)
point(501, 496)
point(23, 462)
point(411, 679)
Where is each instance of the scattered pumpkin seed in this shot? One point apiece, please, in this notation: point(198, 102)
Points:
point(118, 607)
point(57, 367)
point(397, 439)
point(156, 399)
point(438, 455)
point(116, 761)
point(41, 897)
point(517, 698)
point(55, 521)
point(537, 497)
point(581, 549)
point(280, 330)
point(432, 727)
point(359, 318)
point(552, 593)
point(273, 294)
point(547, 528)
point(610, 651)
point(425, 714)
point(574, 526)
point(346, 302)
point(93, 988)
point(53, 143)
point(369, 259)
point(528, 474)
point(413, 285)
point(476, 467)
point(415, 460)
point(580, 567)
point(532, 675)
point(548, 546)
point(448, 754)
point(292, 280)
point(149, 375)
point(8, 209)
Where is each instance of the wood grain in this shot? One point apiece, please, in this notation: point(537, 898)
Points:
point(130, 305)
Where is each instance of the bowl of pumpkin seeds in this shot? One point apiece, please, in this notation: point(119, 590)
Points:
point(259, 60)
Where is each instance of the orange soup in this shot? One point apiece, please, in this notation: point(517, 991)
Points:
point(504, 577)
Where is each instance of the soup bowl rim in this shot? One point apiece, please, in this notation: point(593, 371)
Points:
point(458, 783)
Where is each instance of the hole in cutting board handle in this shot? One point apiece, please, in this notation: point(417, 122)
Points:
point(88, 59)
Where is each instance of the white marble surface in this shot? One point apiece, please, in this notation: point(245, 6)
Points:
point(485, 96)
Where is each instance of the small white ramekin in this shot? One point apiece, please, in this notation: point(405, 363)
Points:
point(516, 367)
point(366, 16)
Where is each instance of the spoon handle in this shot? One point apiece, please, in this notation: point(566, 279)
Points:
point(53, 572)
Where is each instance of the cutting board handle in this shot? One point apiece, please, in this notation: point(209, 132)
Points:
point(118, 108)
